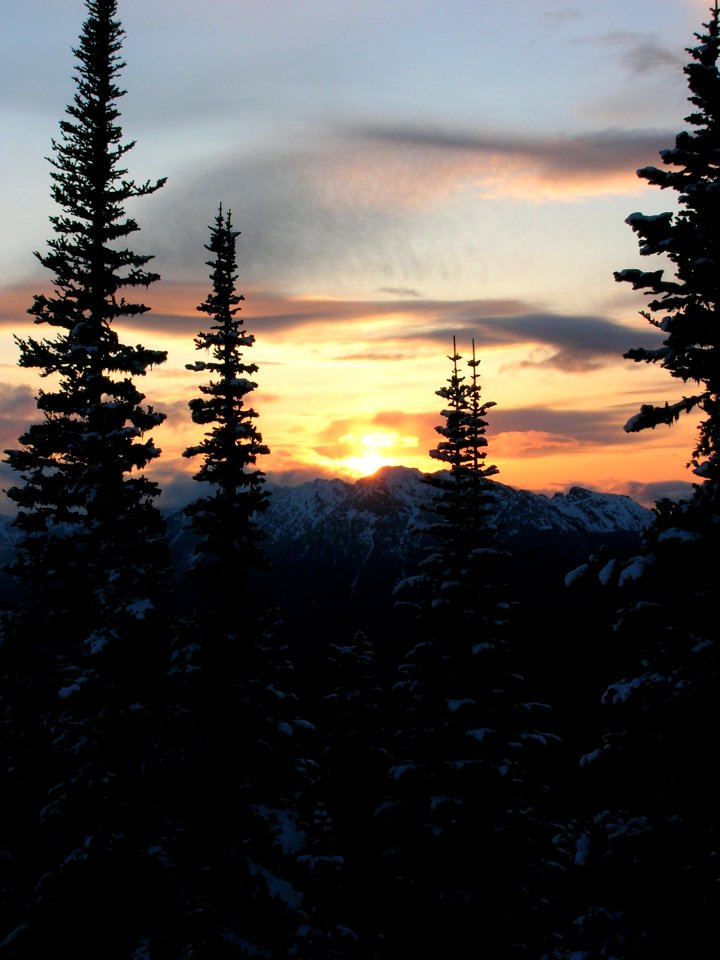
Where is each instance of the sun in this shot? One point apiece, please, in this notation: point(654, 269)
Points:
point(372, 450)
point(367, 465)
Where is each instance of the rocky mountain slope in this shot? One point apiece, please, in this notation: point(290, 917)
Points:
point(337, 542)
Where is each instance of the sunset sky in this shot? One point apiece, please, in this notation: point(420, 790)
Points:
point(401, 171)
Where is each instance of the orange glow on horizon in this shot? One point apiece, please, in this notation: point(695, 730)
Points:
point(350, 397)
point(373, 449)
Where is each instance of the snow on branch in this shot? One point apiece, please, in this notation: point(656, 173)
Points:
point(650, 416)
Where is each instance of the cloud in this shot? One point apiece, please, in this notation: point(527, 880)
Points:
point(641, 53)
point(528, 444)
point(301, 211)
point(563, 15)
point(17, 410)
point(349, 202)
point(541, 431)
point(267, 312)
point(577, 343)
point(16, 400)
point(586, 162)
point(178, 488)
point(396, 434)
point(522, 432)
point(14, 304)
point(373, 355)
point(399, 291)
point(177, 413)
point(568, 342)
point(571, 343)
point(649, 493)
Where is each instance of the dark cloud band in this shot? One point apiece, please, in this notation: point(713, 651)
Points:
point(604, 151)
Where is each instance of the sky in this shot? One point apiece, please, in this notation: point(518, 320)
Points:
point(401, 172)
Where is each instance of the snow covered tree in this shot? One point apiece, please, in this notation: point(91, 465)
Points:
point(646, 845)
point(230, 785)
point(84, 655)
point(648, 860)
point(685, 307)
point(236, 759)
point(92, 542)
point(228, 536)
point(467, 837)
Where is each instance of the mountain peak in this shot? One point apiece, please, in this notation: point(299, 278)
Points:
point(390, 474)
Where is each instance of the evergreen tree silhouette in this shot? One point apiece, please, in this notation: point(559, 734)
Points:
point(466, 838)
point(462, 509)
point(84, 508)
point(648, 857)
point(236, 765)
point(685, 307)
point(84, 656)
point(228, 543)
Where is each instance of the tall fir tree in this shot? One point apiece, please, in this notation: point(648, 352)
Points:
point(237, 765)
point(92, 541)
point(648, 861)
point(84, 656)
point(228, 544)
point(467, 837)
point(463, 507)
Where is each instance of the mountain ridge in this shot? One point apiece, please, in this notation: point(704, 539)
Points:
point(350, 542)
point(336, 541)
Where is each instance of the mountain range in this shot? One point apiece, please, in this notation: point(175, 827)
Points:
point(335, 544)
point(338, 543)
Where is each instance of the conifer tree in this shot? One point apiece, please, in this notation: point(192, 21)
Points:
point(685, 307)
point(92, 541)
point(228, 536)
point(649, 859)
point(468, 837)
point(84, 657)
point(463, 507)
point(238, 757)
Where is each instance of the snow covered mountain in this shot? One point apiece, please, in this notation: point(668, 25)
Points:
point(403, 491)
point(334, 542)
point(352, 541)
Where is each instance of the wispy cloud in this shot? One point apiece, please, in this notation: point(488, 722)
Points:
point(568, 14)
point(543, 430)
point(580, 163)
point(572, 343)
point(568, 342)
point(343, 202)
point(399, 291)
point(564, 342)
point(641, 53)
